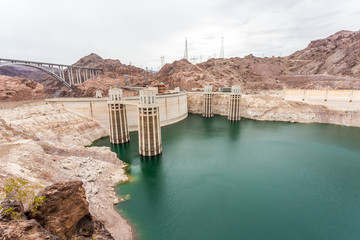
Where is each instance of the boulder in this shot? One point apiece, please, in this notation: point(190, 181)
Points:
point(65, 205)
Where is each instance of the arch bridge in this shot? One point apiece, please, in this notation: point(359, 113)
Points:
point(68, 75)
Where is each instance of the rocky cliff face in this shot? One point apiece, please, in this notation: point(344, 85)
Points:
point(63, 215)
point(24, 229)
point(44, 144)
point(336, 55)
point(267, 106)
point(15, 89)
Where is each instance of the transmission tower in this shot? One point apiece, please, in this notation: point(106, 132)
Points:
point(193, 60)
point(222, 48)
point(186, 50)
point(162, 58)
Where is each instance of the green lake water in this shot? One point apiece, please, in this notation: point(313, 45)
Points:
point(247, 180)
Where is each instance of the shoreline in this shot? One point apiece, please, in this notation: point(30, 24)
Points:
point(44, 143)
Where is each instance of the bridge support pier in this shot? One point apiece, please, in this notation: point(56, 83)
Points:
point(208, 103)
point(234, 104)
point(149, 124)
point(119, 130)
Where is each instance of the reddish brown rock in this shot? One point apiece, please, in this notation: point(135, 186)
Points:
point(15, 89)
point(336, 55)
point(64, 207)
point(24, 229)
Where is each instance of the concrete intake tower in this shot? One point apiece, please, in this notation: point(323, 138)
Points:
point(149, 124)
point(234, 106)
point(119, 130)
point(208, 102)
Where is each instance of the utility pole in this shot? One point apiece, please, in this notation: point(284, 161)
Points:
point(222, 48)
point(186, 56)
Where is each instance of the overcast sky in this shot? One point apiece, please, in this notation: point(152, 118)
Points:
point(140, 31)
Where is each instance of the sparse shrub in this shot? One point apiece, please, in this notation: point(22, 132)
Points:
point(17, 189)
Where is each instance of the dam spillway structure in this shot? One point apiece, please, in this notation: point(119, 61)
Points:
point(234, 104)
point(208, 102)
point(119, 129)
point(149, 124)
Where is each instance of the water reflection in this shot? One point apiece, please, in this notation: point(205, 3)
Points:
point(234, 129)
point(151, 169)
point(123, 151)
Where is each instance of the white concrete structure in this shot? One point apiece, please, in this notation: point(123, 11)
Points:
point(208, 102)
point(336, 99)
point(119, 130)
point(234, 104)
point(149, 124)
point(172, 107)
point(98, 94)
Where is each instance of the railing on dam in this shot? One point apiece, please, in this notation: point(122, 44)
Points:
point(349, 99)
point(172, 108)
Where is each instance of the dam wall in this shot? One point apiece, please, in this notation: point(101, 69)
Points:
point(172, 108)
point(220, 103)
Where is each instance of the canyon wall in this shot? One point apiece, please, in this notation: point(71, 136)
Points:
point(270, 106)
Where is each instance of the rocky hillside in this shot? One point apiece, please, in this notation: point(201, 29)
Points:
point(44, 144)
point(23, 72)
point(16, 88)
point(249, 72)
point(336, 55)
point(333, 62)
point(115, 74)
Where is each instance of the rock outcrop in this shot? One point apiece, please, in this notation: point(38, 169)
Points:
point(44, 144)
point(15, 89)
point(65, 205)
point(24, 229)
point(336, 55)
point(65, 212)
point(63, 215)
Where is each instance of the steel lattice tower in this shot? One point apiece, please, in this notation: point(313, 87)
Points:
point(186, 56)
point(162, 58)
point(222, 48)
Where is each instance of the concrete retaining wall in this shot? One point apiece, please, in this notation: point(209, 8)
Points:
point(340, 99)
point(172, 107)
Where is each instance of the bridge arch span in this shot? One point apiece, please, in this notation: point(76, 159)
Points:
point(39, 68)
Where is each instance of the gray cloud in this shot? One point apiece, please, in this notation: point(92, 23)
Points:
point(141, 31)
